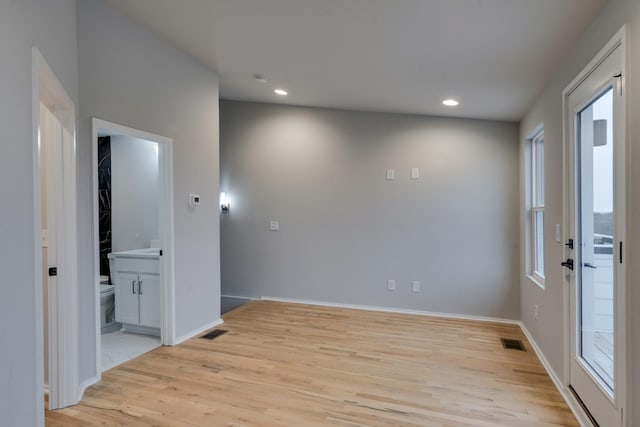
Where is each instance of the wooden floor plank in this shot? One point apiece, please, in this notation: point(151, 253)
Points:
point(298, 365)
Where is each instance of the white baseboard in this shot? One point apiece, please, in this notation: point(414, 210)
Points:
point(86, 384)
point(569, 398)
point(566, 394)
point(238, 297)
point(198, 331)
point(96, 379)
point(395, 310)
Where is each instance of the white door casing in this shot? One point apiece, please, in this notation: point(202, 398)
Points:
point(605, 401)
point(54, 119)
point(164, 290)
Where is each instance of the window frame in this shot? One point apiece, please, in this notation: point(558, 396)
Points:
point(536, 206)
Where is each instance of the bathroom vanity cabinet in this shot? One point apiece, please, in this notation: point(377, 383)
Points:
point(137, 290)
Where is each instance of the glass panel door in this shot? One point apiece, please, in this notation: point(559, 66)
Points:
point(596, 220)
point(595, 165)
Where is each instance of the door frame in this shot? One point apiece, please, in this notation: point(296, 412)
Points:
point(166, 224)
point(619, 40)
point(63, 387)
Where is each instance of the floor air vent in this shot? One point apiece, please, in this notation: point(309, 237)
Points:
point(214, 334)
point(512, 344)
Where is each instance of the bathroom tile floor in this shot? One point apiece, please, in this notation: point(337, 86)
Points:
point(119, 346)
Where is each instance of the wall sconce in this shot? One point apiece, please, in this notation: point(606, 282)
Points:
point(224, 202)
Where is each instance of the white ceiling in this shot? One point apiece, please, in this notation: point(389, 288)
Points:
point(495, 56)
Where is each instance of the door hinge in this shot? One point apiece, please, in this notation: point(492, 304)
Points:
point(619, 76)
point(53, 271)
point(161, 252)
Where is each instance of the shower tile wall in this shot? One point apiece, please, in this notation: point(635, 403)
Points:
point(104, 202)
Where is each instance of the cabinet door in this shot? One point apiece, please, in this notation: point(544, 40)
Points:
point(149, 300)
point(127, 310)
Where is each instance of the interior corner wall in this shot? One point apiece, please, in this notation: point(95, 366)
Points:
point(345, 229)
point(50, 25)
point(548, 331)
point(133, 78)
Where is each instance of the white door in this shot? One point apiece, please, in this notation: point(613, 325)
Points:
point(126, 298)
point(149, 290)
point(54, 129)
point(596, 220)
point(60, 269)
point(50, 131)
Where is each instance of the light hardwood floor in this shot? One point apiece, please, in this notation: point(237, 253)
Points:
point(299, 365)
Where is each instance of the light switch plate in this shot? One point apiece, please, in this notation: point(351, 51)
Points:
point(558, 235)
point(194, 200)
point(391, 285)
point(391, 174)
point(415, 173)
point(415, 286)
point(274, 225)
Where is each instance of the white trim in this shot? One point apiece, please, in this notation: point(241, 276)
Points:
point(527, 260)
point(167, 263)
point(566, 394)
point(86, 384)
point(535, 279)
point(617, 40)
point(573, 404)
point(198, 331)
point(239, 297)
point(39, 336)
point(63, 363)
point(394, 310)
point(568, 184)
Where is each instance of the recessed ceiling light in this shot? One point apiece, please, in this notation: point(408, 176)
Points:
point(450, 102)
point(281, 92)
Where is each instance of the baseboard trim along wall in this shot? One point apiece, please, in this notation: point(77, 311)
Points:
point(235, 297)
point(198, 331)
point(394, 310)
point(86, 384)
point(566, 394)
point(573, 404)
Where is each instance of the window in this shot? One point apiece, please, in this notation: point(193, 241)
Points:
point(537, 207)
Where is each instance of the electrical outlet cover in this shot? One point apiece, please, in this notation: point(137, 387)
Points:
point(391, 285)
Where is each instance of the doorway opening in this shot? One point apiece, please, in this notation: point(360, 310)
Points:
point(133, 230)
point(55, 236)
point(595, 212)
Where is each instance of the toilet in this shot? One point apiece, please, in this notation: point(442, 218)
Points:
point(107, 306)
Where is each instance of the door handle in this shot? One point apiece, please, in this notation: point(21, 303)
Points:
point(133, 286)
point(568, 263)
point(140, 287)
point(589, 265)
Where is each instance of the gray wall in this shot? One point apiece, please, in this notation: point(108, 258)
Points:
point(134, 193)
point(345, 230)
point(51, 26)
point(548, 331)
point(131, 77)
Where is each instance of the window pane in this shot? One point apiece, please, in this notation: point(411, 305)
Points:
point(540, 172)
point(597, 210)
point(539, 241)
